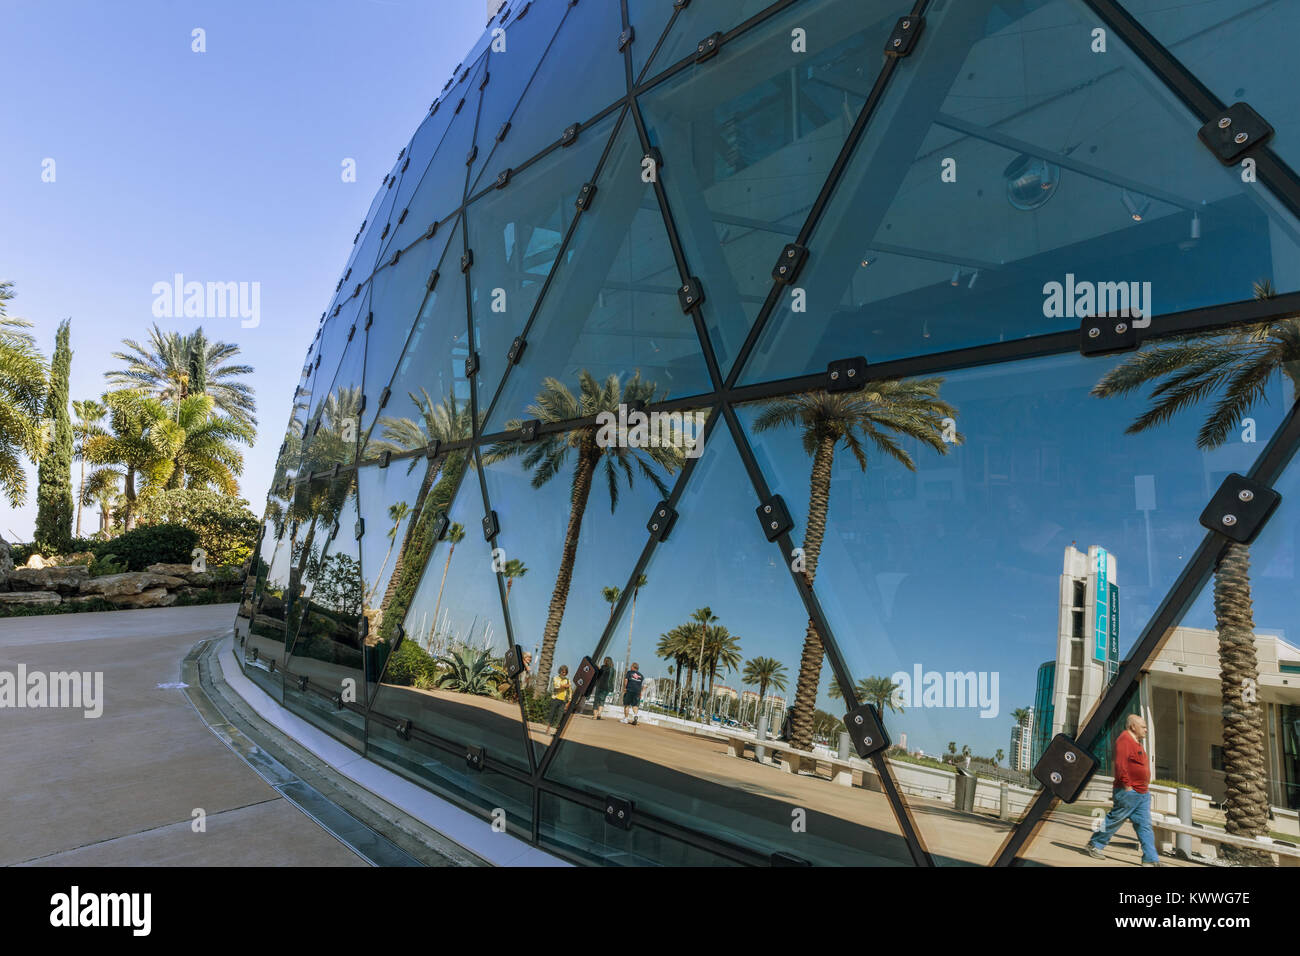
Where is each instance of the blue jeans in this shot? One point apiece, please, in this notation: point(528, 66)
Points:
point(1136, 808)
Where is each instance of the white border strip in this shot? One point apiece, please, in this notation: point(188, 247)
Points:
point(458, 825)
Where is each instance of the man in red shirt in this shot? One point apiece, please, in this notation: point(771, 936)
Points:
point(1132, 799)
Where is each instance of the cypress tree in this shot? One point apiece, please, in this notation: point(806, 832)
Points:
point(54, 507)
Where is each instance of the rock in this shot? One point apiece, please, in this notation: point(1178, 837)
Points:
point(128, 583)
point(272, 606)
point(35, 561)
point(50, 578)
point(6, 560)
point(199, 578)
point(154, 597)
point(30, 597)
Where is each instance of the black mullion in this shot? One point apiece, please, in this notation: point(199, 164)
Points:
point(642, 562)
point(550, 276)
point(1268, 467)
point(640, 77)
point(828, 189)
point(1270, 170)
point(902, 813)
point(679, 253)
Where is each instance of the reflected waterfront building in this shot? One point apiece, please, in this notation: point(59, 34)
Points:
point(836, 234)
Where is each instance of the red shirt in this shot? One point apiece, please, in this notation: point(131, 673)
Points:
point(1132, 768)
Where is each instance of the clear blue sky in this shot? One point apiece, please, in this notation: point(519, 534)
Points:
point(223, 166)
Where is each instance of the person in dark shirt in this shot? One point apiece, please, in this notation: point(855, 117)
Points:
point(603, 688)
point(1132, 801)
point(632, 693)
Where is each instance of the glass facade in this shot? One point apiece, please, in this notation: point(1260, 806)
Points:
point(705, 379)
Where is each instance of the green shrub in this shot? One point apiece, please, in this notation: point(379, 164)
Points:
point(226, 526)
point(411, 666)
point(39, 610)
point(108, 564)
point(151, 544)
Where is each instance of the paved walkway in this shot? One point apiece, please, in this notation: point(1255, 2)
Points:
point(122, 789)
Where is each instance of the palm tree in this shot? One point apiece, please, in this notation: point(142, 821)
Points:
point(641, 581)
point(470, 671)
point(997, 757)
point(1236, 370)
point(765, 672)
point(611, 596)
point(722, 649)
point(138, 448)
point(952, 751)
point(700, 623)
point(679, 646)
point(514, 568)
point(880, 691)
point(881, 411)
point(174, 366)
point(22, 395)
point(206, 455)
point(88, 414)
point(455, 534)
point(103, 487)
point(548, 454)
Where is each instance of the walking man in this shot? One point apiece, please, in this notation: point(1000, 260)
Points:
point(632, 692)
point(1132, 800)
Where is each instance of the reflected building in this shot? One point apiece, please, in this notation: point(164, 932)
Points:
point(828, 236)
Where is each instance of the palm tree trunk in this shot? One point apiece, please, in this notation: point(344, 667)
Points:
point(396, 577)
point(810, 659)
point(1246, 805)
point(588, 457)
point(437, 605)
point(627, 661)
point(128, 513)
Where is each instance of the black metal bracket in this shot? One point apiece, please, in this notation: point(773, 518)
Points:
point(431, 283)
point(467, 260)
point(691, 294)
point(1234, 132)
point(503, 178)
point(775, 517)
point(1240, 508)
point(708, 48)
point(1105, 335)
point(530, 429)
point(903, 40)
point(403, 729)
point(432, 449)
point(618, 812)
point(386, 458)
point(584, 679)
point(516, 351)
point(585, 195)
point(397, 254)
point(866, 731)
point(384, 396)
point(473, 155)
point(661, 521)
point(360, 529)
point(625, 38)
point(304, 682)
point(474, 757)
point(681, 4)
point(789, 265)
point(440, 525)
point(370, 320)
point(337, 701)
point(254, 657)
point(384, 232)
point(570, 135)
point(514, 661)
point(491, 526)
point(270, 666)
point(504, 131)
point(1064, 768)
point(471, 365)
point(402, 218)
point(432, 230)
point(846, 375)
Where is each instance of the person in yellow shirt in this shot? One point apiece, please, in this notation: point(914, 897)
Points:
point(559, 698)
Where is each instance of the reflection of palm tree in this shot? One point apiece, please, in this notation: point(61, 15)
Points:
point(880, 691)
point(1237, 369)
point(611, 596)
point(765, 672)
point(679, 645)
point(722, 649)
point(397, 514)
point(997, 757)
point(547, 455)
point(911, 408)
point(641, 581)
point(455, 534)
point(514, 568)
point(700, 624)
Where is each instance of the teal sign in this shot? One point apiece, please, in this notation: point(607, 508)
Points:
point(1101, 616)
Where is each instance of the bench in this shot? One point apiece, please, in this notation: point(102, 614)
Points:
point(795, 761)
point(1166, 826)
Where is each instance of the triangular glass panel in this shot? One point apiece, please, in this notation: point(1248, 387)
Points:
point(515, 55)
point(649, 18)
point(389, 497)
point(410, 173)
point(612, 308)
point(1220, 737)
point(1011, 183)
point(449, 681)
point(694, 756)
point(332, 649)
point(428, 393)
point(748, 139)
point(441, 189)
point(583, 72)
point(332, 431)
point(1240, 49)
point(515, 234)
point(944, 584)
point(572, 516)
